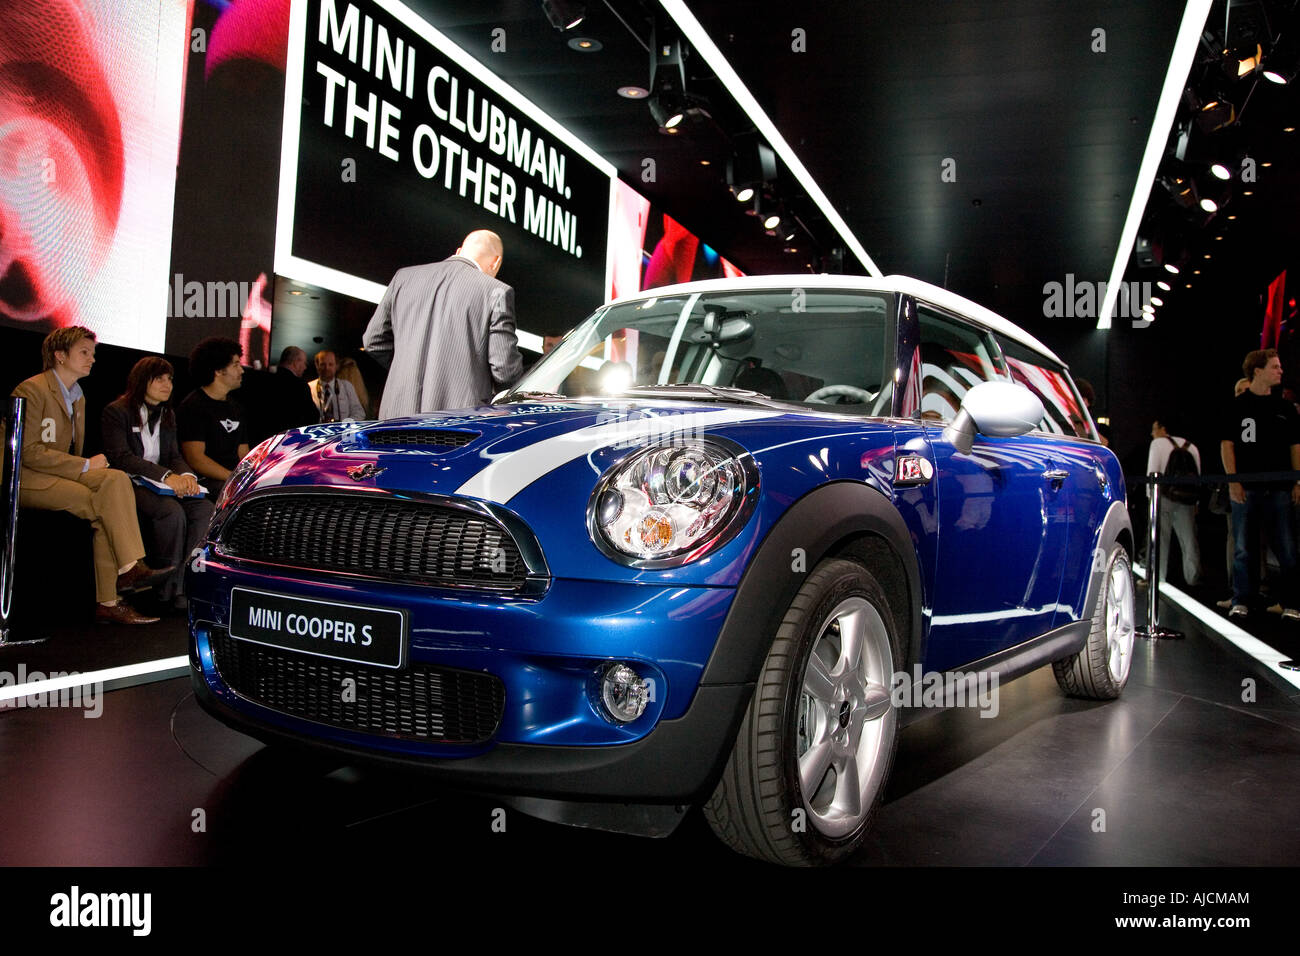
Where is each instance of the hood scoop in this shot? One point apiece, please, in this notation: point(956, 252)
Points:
point(431, 438)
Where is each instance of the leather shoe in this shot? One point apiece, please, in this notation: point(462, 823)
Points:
point(141, 577)
point(121, 613)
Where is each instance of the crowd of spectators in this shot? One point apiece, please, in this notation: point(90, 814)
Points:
point(149, 493)
point(1258, 438)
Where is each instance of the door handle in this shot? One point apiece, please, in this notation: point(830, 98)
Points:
point(1056, 476)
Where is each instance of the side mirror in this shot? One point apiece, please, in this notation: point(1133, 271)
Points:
point(995, 409)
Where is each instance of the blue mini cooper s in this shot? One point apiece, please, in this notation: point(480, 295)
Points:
point(706, 552)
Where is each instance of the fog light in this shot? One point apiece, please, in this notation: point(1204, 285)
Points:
point(624, 692)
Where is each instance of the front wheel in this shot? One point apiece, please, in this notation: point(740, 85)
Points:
point(1101, 669)
point(810, 762)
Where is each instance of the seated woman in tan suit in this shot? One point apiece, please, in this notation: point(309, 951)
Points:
point(140, 439)
point(56, 477)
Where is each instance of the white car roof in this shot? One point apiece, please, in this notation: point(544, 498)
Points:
point(942, 298)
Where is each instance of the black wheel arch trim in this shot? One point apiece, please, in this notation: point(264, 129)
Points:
point(1116, 528)
point(842, 519)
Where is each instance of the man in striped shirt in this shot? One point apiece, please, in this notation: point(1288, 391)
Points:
point(446, 331)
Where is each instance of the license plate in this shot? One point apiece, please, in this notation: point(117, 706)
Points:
point(348, 632)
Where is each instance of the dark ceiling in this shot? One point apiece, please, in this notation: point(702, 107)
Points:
point(1045, 133)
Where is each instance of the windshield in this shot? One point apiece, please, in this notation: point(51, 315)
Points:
point(792, 345)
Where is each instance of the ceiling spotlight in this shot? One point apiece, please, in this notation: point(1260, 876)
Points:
point(1288, 129)
point(671, 104)
point(1209, 205)
point(1265, 165)
point(771, 221)
point(1189, 285)
point(1248, 59)
point(1215, 114)
point(1233, 216)
point(1279, 76)
point(1149, 309)
point(564, 14)
point(1218, 238)
point(750, 166)
point(633, 92)
point(1249, 192)
point(1196, 272)
point(1156, 300)
point(706, 162)
point(1163, 285)
point(1221, 171)
point(585, 44)
point(1170, 267)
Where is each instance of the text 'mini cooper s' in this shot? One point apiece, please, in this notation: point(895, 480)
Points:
point(691, 559)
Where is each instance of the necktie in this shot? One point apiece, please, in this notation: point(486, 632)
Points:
point(327, 404)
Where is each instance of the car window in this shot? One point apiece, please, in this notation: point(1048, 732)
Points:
point(953, 357)
point(816, 347)
point(1063, 408)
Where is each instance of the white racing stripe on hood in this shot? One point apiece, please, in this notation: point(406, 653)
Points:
point(514, 471)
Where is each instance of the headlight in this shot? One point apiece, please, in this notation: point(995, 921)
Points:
point(247, 465)
point(672, 503)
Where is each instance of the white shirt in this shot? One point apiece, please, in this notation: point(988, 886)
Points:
point(1161, 448)
point(149, 439)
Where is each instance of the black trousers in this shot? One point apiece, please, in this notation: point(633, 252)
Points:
point(172, 528)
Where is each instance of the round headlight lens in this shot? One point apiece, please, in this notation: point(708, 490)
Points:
point(675, 500)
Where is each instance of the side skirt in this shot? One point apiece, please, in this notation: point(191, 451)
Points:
point(1010, 663)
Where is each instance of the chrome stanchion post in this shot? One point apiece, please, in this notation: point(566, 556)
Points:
point(13, 449)
point(13, 467)
point(1153, 630)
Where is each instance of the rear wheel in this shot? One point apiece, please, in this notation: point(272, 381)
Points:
point(812, 756)
point(1101, 669)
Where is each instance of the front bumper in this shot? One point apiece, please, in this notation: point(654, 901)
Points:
point(679, 762)
point(552, 739)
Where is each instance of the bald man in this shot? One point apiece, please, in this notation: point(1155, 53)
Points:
point(446, 331)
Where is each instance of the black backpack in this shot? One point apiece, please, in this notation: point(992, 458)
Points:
point(1181, 464)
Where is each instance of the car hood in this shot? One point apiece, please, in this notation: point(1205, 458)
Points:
point(493, 453)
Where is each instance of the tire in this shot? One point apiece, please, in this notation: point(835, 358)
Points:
point(842, 740)
point(1101, 669)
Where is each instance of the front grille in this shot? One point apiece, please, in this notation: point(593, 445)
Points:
point(418, 438)
point(416, 703)
point(390, 538)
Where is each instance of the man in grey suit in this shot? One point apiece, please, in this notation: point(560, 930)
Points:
point(447, 331)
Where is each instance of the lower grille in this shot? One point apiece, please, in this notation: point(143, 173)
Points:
point(420, 702)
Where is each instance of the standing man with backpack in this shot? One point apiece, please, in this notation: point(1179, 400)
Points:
point(1177, 458)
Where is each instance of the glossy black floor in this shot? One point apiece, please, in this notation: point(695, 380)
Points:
point(1181, 771)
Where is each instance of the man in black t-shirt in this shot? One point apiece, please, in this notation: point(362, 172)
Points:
point(1261, 433)
point(210, 426)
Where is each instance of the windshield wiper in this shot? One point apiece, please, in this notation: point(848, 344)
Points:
point(526, 396)
point(725, 393)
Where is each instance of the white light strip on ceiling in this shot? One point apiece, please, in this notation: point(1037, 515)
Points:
point(705, 47)
point(1180, 64)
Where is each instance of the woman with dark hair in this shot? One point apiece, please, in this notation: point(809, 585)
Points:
point(140, 439)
